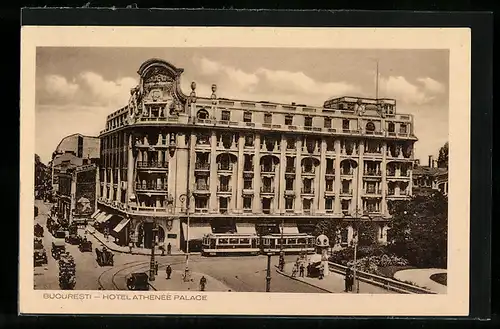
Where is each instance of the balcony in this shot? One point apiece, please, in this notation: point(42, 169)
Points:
point(306, 190)
point(248, 191)
point(201, 210)
point(147, 209)
point(290, 169)
point(289, 192)
point(373, 173)
point(248, 168)
point(373, 192)
point(151, 187)
point(267, 169)
point(348, 172)
point(223, 210)
point(308, 170)
point(224, 189)
point(266, 211)
point(199, 188)
point(225, 167)
point(392, 193)
point(202, 166)
point(267, 189)
point(329, 190)
point(346, 192)
point(152, 165)
point(330, 172)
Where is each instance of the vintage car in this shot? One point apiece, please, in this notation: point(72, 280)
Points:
point(138, 281)
point(58, 247)
point(38, 230)
point(60, 233)
point(36, 211)
point(104, 256)
point(67, 272)
point(84, 244)
point(39, 253)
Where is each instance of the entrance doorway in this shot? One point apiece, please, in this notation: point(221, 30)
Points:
point(145, 238)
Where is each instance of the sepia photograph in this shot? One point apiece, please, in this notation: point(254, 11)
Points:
point(191, 170)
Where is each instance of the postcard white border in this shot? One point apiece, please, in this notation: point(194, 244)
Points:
point(457, 40)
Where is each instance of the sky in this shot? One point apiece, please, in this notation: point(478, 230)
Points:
point(76, 88)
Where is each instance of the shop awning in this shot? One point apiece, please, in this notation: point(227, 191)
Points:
point(94, 215)
point(121, 225)
point(100, 216)
point(245, 228)
point(290, 228)
point(104, 218)
point(196, 230)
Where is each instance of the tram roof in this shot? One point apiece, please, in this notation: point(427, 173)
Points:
point(231, 235)
point(288, 235)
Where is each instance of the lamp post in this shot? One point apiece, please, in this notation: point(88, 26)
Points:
point(357, 219)
point(152, 265)
point(186, 197)
point(268, 276)
point(282, 229)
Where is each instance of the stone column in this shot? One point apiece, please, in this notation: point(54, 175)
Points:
point(321, 179)
point(119, 188)
point(238, 187)
point(257, 202)
point(130, 169)
point(359, 180)
point(298, 177)
point(182, 170)
point(281, 183)
point(338, 181)
point(213, 173)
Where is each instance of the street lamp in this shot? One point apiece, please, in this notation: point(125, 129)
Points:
point(186, 197)
point(268, 276)
point(357, 218)
point(152, 265)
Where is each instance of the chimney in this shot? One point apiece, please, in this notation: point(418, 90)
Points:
point(431, 161)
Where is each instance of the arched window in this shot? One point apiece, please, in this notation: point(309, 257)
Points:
point(370, 126)
point(202, 114)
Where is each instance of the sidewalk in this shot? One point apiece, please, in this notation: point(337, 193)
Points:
point(333, 283)
point(421, 278)
point(135, 251)
point(176, 282)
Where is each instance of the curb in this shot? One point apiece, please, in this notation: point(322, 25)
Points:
point(132, 253)
point(305, 282)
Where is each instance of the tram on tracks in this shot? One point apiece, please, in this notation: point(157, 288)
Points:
point(219, 244)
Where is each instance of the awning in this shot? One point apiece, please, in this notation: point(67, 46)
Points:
point(196, 230)
point(94, 215)
point(121, 225)
point(245, 228)
point(108, 217)
point(290, 228)
point(100, 216)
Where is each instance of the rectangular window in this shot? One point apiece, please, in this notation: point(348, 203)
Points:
point(226, 116)
point(329, 203)
point(290, 144)
point(329, 185)
point(288, 203)
point(247, 117)
point(308, 121)
point(249, 140)
point(268, 118)
point(345, 124)
point(289, 184)
point(328, 122)
point(307, 204)
point(288, 120)
point(247, 203)
point(403, 128)
point(247, 184)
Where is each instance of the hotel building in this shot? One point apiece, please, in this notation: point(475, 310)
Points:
point(226, 165)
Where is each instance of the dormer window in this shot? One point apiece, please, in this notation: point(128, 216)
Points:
point(308, 121)
point(247, 116)
point(403, 128)
point(288, 119)
point(391, 127)
point(226, 116)
point(268, 118)
point(328, 122)
point(345, 124)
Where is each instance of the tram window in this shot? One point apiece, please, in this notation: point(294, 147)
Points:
point(302, 240)
point(233, 241)
point(292, 241)
point(245, 241)
point(222, 241)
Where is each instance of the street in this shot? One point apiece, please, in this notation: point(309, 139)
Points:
point(243, 274)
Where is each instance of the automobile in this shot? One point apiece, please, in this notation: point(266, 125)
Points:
point(58, 247)
point(85, 245)
point(104, 256)
point(38, 230)
point(60, 233)
point(39, 253)
point(138, 281)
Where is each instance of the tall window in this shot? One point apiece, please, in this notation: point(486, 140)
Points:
point(249, 140)
point(329, 185)
point(247, 116)
point(289, 184)
point(289, 203)
point(403, 128)
point(268, 118)
point(308, 121)
point(226, 116)
point(247, 202)
point(390, 127)
point(290, 143)
point(307, 204)
point(345, 124)
point(328, 203)
point(288, 120)
point(328, 122)
point(247, 184)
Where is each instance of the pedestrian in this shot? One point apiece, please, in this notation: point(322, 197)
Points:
point(294, 270)
point(130, 247)
point(203, 283)
point(301, 272)
point(168, 271)
point(169, 249)
point(162, 248)
point(347, 279)
point(321, 272)
point(156, 267)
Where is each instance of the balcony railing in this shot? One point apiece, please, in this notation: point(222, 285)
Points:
point(151, 187)
point(266, 210)
point(346, 191)
point(152, 164)
point(224, 188)
point(201, 210)
point(373, 173)
point(248, 168)
point(373, 191)
point(307, 191)
point(290, 169)
point(346, 172)
point(391, 173)
point(223, 210)
point(202, 166)
point(202, 188)
point(401, 193)
point(308, 170)
point(267, 169)
point(267, 189)
point(330, 171)
point(225, 167)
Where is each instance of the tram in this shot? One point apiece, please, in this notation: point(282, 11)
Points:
point(214, 244)
point(293, 243)
point(218, 244)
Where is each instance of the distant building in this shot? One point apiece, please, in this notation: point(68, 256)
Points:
point(77, 193)
point(73, 151)
point(430, 178)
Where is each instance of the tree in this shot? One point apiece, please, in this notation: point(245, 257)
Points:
point(368, 232)
point(443, 156)
point(331, 228)
point(419, 230)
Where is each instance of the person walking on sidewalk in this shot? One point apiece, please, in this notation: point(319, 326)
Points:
point(169, 249)
point(162, 248)
point(301, 272)
point(203, 283)
point(169, 271)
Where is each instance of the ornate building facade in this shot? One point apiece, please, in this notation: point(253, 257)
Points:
point(244, 165)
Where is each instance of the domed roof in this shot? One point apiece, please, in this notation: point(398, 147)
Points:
point(322, 241)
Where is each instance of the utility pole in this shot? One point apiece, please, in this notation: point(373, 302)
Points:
point(268, 276)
